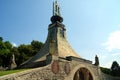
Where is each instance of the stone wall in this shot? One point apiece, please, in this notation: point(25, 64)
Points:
point(59, 69)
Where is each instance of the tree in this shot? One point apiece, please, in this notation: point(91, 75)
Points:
point(115, 68)
point(1, 39)
point(22, 52)
point(36, 46)
point(26, 49)
point(105, 70)
point(4, 53)
point(2, 45)
point(25, 52)
point(8, 44)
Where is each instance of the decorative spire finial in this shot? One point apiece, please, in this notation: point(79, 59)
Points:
point(56, 13)
point(56, 8)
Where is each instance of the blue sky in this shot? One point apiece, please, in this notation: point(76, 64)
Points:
point(93, 26)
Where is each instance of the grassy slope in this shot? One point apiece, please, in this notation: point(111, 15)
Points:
point(10, 71)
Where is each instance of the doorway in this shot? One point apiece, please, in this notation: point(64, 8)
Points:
point(83, 74)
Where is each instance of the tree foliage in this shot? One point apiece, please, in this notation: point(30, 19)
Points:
point(36, 45)
point(1, 38)
point(115, 69)
point(4, 52)
point(22, 52)
point(8, 44)
point(106, 70)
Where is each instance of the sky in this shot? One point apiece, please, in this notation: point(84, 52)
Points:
point(93, 26)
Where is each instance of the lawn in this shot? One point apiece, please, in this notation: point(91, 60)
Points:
point(11, 71)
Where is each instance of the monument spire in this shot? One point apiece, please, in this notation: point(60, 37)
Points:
point(56, 8)
point(56, 43)
point(56, 13)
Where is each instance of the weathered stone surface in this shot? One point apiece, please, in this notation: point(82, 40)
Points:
point(56, 44)
point(12, 62)
point(45, 73)
point(58, 61)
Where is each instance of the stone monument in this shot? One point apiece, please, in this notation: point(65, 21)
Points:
point(57, 60)
point(12, 62)
point(56, 43)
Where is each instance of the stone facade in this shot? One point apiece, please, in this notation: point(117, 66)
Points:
point(47, 72)
point(60, 69)
point(57, 60)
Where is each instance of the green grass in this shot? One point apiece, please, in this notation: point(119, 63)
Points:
point(2, 73)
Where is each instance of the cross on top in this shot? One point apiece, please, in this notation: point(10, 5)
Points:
point(56, 8)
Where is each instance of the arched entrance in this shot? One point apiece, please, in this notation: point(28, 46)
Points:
point(83, 74)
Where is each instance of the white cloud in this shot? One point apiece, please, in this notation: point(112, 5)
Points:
point(14, 44)
point(102, 57)
point(116, 54)
point(113, 41)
